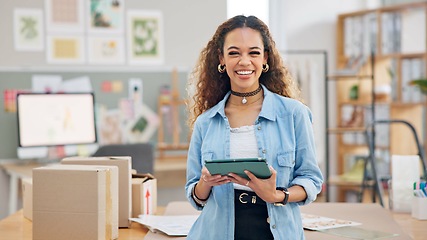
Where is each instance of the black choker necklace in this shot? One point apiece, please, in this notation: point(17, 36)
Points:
point(246, 94)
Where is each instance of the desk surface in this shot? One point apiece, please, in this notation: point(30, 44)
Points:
point(372, 216)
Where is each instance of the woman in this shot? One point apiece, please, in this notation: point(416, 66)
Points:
point(245, 105)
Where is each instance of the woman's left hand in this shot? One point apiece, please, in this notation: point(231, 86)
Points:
point(264, 188)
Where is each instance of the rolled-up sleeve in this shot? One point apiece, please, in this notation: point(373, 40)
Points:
point(307, 172)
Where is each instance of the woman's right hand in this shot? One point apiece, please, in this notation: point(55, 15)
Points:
point(207, 181)
point(212, 180)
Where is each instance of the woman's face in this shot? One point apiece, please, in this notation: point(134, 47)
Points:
point(243, 57)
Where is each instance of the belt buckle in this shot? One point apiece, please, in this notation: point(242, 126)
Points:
point(241, 196)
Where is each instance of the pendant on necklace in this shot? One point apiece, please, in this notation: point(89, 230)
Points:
point(244, 101)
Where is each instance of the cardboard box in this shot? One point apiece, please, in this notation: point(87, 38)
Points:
point(125, 188)
point(27, 198)
point(75, 202)
point(144, 194)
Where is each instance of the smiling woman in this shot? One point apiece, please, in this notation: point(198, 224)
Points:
point(245, 104)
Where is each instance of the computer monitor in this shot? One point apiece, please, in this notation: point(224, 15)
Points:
point(54, 119)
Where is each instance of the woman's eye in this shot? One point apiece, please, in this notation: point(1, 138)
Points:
point(233, 53)
point(255, 53)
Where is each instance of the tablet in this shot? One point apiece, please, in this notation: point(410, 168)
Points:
point(258, 166)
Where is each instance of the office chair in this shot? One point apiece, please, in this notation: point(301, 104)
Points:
point(370, 138)
point(141, 153)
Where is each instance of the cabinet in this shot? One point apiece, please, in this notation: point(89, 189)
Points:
point(379, 51)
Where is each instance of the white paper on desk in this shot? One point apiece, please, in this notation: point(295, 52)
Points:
point(178, 225)
point(316, 223)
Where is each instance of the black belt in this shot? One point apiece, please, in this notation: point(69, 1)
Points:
point(247, 197)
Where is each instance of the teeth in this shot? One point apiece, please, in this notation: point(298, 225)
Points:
point(244, 72)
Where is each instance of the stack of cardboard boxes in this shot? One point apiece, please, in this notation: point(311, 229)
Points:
point(86, 198)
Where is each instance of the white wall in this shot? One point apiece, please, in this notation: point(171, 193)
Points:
point(309, 24)
point(188, 25)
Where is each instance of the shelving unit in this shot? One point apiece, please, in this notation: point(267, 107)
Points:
point(345, 81)
point(382, 48)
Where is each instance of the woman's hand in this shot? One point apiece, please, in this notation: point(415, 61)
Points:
point(207, 181)
point(264, 188)
point(212, 180)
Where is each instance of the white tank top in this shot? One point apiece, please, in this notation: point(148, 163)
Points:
point(243, 144)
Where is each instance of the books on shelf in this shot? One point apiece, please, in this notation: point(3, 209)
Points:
point(391, 31)
point(360, 34)
point(401, 32)
point(413, 36)
point(361, 116)
point(412, 69)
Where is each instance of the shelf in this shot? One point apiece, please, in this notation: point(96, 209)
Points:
point(392, 63)
point(363, 103)
point(349, 77)
point(338, 181)
point(400, 104)
point(170, 146)
point(341, 130)
point(400, 55)
point(167, 101)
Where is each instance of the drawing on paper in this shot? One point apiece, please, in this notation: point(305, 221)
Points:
point(145, 39)
point(65, 49)
point(64, 15)
point(106, 50)
point(106, 15)
point(28, 30)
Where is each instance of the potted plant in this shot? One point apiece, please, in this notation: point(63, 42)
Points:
point(421, 84)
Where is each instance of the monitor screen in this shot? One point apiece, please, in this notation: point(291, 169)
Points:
point(51, 119)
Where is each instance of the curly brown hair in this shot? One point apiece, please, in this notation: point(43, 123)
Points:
point(207, 86)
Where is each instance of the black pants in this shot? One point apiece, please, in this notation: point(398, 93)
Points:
point(250, 217)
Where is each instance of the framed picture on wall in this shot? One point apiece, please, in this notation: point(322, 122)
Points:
point(28, 30)
point(105, 50)
point(65, 49)
point(64, 16)
point(105, 16)
point(145, 37)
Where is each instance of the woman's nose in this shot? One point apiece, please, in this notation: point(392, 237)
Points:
point(244, 60)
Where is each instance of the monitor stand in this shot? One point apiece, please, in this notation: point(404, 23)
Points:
point(43, 155)
point(54, 154)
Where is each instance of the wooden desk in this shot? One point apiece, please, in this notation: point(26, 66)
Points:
point(17, 227)
point(16, 171)
point(373, 216)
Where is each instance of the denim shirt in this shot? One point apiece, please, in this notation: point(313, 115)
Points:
point(284, 135)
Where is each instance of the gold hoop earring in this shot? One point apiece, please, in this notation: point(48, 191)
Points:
point(265, 67)
point(221, 68)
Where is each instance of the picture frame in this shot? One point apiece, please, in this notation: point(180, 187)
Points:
point(105, 16)
point(145, 37)
point(65, 49)
point(105, 50)
point(64, 16)
point(28, 29)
